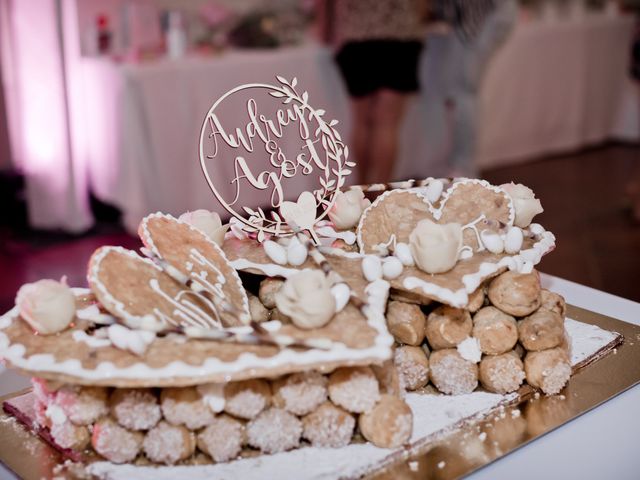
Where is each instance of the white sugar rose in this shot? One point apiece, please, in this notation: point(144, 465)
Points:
point(47, 305)
point(207, 222)
point(348, 208)
point(435, 247)
point(306, 298)
point(524, 202)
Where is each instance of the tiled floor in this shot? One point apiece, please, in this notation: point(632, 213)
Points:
point(583, 197)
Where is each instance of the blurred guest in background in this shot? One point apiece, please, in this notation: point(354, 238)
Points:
point(479, 28)
point(378, 44)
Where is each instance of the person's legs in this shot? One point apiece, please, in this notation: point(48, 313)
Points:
point(463, 135)
point(466, 64)
point(388, 113)
point(460, 102)
point(362, 110)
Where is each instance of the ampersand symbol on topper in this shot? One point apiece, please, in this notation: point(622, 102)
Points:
point(262, 154)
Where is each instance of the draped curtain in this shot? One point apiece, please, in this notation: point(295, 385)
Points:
point(40, 59)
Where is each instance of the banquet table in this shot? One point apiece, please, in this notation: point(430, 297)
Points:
point(567, 87)
point(554, 86)
point(154, 111)
point(602, 443)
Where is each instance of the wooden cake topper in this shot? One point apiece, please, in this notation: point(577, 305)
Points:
point(260, 155)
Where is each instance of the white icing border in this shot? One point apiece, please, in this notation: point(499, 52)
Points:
point(92, 278)
point(374, 204)
point(377, 293)
point(148, 240)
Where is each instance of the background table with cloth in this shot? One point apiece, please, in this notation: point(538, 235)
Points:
point(554, 86)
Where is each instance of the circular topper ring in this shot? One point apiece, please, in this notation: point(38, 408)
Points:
point(262, 157)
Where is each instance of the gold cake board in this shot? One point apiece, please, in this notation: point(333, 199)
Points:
point(457, 454)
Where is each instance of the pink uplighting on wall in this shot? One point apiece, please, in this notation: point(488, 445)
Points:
point(35, 81)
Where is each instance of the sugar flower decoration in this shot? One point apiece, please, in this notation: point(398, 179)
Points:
point(306, 297)
point(347, 208)
point(435, 247)
point(48, 306)
point(524, 202)
point(207, 222)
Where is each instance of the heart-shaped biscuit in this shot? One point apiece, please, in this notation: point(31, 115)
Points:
point(302, 213)
point(472, 203)
point(397, 212)
point(198, 261)
point(142, 295)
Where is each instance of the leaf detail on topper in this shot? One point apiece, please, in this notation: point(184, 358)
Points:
point(302, 213)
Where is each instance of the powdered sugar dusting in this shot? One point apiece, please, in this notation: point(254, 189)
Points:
point(469, 349)
point(402, 427)
point(586, 339)
point(329, 426)
point(437, 413)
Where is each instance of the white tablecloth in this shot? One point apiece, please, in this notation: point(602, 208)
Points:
point(156, 111)
point(602, 443)
point(554, 86)
point(557, 86)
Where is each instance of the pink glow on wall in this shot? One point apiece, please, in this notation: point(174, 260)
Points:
point(39, 117)
point(39, 70)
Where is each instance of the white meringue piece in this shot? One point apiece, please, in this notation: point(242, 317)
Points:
point(513, 240)
point(433, 192)
point(465, 253)
point(469, 349)
point(372, 267)
point(92, 340)
point(212, 395)
point(328, 231)
point(403, 252)
point(492, 241)
point(275, 252)
point(93, 314)
point(341, 293)
point(296, 252)
point(391, 268)
point(135, 341)
point(536, 229)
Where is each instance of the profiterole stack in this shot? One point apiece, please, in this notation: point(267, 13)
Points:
point(300, 322)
